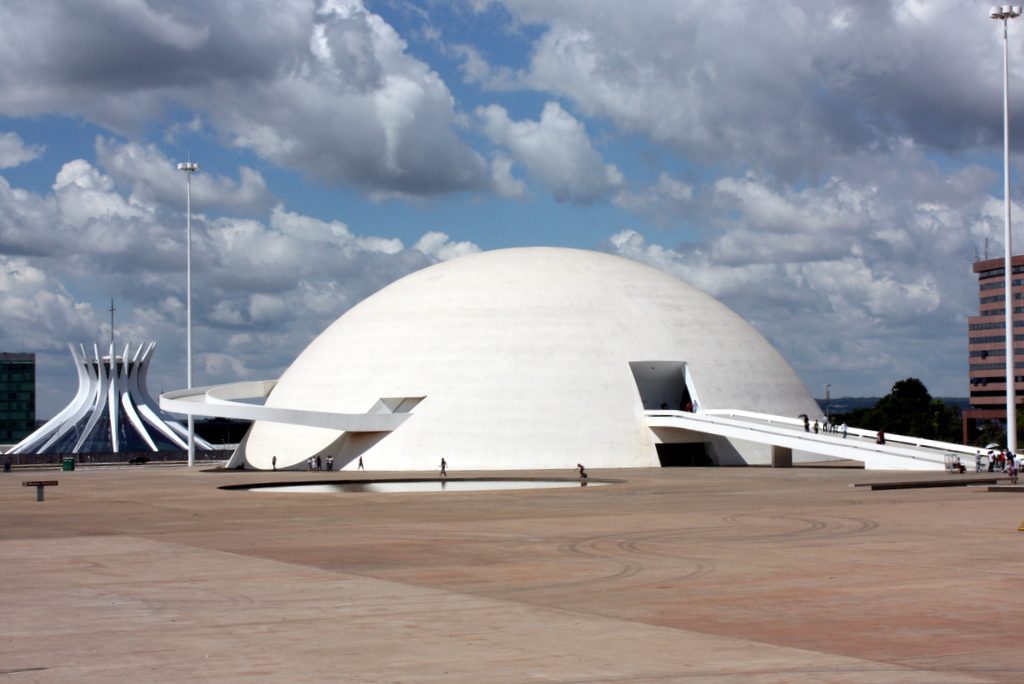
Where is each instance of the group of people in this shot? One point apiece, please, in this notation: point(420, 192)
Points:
point(826, 426)
point(1002, 462)
point(689, 406)
point(316, 463)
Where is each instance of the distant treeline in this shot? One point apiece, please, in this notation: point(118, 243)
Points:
point(846, 404)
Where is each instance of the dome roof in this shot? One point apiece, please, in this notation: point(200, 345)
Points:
point(522, 358)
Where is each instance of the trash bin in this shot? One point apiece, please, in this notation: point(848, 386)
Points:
point(69, 463)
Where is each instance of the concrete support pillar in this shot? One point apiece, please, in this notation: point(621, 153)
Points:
point(782, 457)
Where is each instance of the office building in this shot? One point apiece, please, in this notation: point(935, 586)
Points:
point(986, 344)
point(17, 396)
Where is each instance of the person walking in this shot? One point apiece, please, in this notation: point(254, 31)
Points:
point(360, 467)
point(843, 429)
point(273, 462)
point(444, 467)
point(330, 463)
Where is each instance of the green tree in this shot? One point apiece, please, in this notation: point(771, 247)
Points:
point(909, 409)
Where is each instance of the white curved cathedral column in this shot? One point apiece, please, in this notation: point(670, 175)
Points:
point(42, 439)
point(126, 398)
point(101, 381)
point(171, 430)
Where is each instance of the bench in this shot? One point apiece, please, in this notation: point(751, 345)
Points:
point(39, 485)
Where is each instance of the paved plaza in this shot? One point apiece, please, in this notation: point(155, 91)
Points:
point(154, 574)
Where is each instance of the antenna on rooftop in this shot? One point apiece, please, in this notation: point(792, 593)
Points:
point(112, 310)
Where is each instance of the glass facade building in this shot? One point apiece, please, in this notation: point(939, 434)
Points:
point(17, 396)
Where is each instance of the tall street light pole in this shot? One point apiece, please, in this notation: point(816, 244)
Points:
point(1004, 14)
point(189, 168)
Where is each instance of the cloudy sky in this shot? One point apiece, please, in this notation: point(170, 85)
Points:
point(828, 168)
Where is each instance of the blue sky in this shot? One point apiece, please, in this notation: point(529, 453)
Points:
point(828, 170)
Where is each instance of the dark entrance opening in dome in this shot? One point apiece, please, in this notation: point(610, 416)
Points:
point(662, 385)
point(683, 455)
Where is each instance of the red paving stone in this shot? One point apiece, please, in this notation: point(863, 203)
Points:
point(741, 574)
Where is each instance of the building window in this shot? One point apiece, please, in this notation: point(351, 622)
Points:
point(1000, 297)
point(985, 353)
point(1000, 312)
point(991, 339)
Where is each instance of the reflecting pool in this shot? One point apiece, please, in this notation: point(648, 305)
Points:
point(437, 485)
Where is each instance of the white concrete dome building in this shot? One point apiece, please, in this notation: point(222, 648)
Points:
point(525, 358)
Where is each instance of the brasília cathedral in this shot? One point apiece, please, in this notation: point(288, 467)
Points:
point(111, 412)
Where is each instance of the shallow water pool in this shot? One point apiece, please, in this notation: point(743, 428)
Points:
point(391, 486)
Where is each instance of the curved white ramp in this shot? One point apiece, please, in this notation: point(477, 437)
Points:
point(385, 416)
point(221, 400)
point(898, 453)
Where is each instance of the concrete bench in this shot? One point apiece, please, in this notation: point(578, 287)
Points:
point(40, 485)
point(916, 484)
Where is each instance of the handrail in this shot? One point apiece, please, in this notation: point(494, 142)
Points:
point(788, 432)
point(854, 431)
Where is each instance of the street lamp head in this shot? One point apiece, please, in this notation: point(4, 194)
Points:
point(1004, 12)
point(188, 166)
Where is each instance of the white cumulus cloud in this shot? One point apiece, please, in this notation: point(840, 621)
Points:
point(14, 151)
point(264, 285)
point(330, 91)
point(556, 150)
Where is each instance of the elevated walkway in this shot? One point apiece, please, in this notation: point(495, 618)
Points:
point(229, 401)
point(787, 435)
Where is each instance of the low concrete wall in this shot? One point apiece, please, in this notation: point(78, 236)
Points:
point(123, 457)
